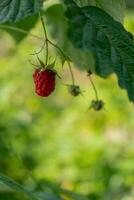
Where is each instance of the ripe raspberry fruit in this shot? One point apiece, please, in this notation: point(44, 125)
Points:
point(44, 81)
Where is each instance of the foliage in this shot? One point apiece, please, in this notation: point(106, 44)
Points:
point(48, 148)
point(55, 143)
point(115, 8)
point(14, 10)
point(96, 33)
point(112, 46)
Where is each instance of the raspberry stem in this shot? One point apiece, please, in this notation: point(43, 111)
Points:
point(94, 88)
point(20, 30)
point(46, 42)
point(46, 38)
point(69, 65)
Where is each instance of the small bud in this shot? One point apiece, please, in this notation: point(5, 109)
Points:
point(74, 90)
point(89, 73)
point(97, 105)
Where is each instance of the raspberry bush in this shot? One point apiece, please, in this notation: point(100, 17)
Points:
point(88, 34)
point(91, 31)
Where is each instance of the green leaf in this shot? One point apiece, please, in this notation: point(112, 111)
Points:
point(48, 196)
point(113, 7)
point(108, 34)
point(124, 78)
point(13, 185)
point(103, 66)
point(74, 195)
point(115, 33)
point(40, 195)
point(32, 195)
point(25, 24)
point(14, 10)
point(56, 20)
point(88, 38)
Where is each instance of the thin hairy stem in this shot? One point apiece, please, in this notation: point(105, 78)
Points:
point(69, 65)
point(95, 90)
point(38, 52)
point(35, 65)
point(71, 72)
point(46, 42)
point(20, 30)
point(46, 38)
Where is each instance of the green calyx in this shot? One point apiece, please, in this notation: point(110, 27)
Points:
point(74, 90)
point(97, 105)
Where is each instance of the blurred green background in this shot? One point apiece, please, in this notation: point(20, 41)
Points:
point(57, 142)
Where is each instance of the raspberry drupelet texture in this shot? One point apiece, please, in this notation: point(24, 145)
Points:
point(44, 82)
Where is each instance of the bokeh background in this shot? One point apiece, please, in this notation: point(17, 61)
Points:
point(57, 142)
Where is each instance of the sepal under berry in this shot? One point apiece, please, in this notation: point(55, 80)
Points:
point(97, 105)
point(74, 90)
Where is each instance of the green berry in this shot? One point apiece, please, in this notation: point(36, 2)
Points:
point(74, 90)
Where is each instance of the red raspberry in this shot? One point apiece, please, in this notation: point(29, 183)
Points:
point(44, 82)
